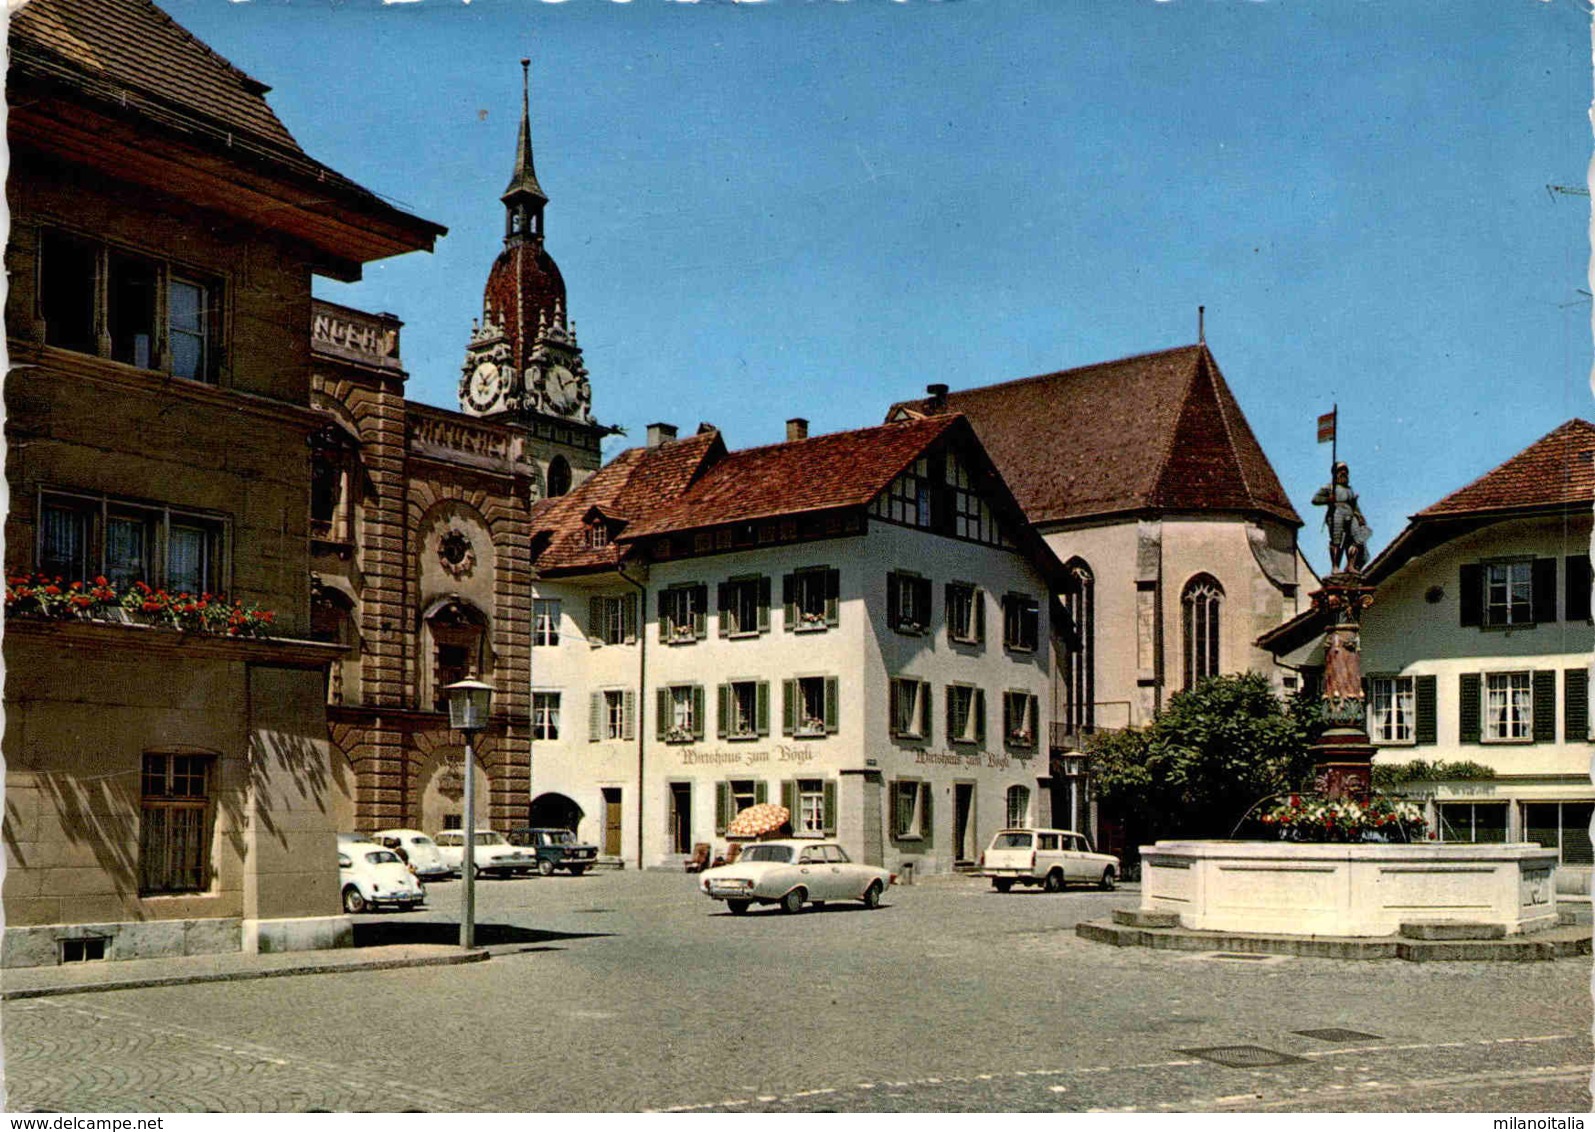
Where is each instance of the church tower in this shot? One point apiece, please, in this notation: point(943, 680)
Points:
point(523, 363)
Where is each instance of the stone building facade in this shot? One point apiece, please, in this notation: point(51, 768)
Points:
point(166, 787)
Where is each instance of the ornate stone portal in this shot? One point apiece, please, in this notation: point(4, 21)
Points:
point(1344, 764)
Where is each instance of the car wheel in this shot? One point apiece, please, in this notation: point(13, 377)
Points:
point(577, 870)
point(1054, 881)
point(545, 867)
point(792, 902)
point(872, 895)
point(353, 902)
point(1002, 884)
point(1108, 879)
point(738, 907)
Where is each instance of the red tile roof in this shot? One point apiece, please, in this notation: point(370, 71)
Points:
point(1159, 431)
point(1555, 471)
point(634, 486)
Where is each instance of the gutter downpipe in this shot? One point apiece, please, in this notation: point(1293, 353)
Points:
point(642, 683)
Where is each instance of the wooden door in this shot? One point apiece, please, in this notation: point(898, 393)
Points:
point(611, 821)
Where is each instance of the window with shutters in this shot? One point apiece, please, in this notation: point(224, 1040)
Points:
point(744, 709)
point(1392, 709)
point(811, 714)
point(1018, 807)
point(1021, 622)
point(908, 809)
point(910, 708)
point(1201, 605)
point(745, 607)
point(1508, 707)
point(907, 602)
point(743, 793)
point(545, 715)
point(1563, 826)
point(1508, 593)
point(545, 621)
point(1479, 822)
point(175, 820)
point(964, 614)
point(681, 713)
point(1019, 727)
point(612, 620)
point(612, 715)
point(810, 817)
point(966, 714)
point(811, 599)
point(683, 613)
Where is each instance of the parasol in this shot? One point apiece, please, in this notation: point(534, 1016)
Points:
point(756, 821)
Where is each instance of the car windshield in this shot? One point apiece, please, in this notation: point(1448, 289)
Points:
point(382, 857)
point(1011, 841)
point(420, 839)
point(488, 837)
point(780, 854)
point(562, 837)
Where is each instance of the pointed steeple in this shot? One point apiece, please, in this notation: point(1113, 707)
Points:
point(524, 198)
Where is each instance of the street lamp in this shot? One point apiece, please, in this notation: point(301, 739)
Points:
point(469, 704)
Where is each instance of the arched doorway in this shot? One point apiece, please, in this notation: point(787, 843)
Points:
point(555, 811)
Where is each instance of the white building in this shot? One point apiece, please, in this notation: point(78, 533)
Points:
point(859, 626)
point(1477, 649)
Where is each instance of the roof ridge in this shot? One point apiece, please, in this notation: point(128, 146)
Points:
point(1062, 372)
point(839, 433)
point(1209, 365)
point(1173, 436)
point(228, 64)
point(1566, 428)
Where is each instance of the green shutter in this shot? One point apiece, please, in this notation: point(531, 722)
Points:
point(629, 618)
point(830, 705)
point(830, 808)
point(927, 820)
point(979, 708)
point(722, 807)
point(789, 799)
point(833, 596)
point(595, 717)
point(662, 717)
point(1545, 700)
point(1578, 588)
point(789, 602)
point(894, 694)
point(761, 792)
point(1575, 705)
point(1426, 691)
point(1469, 690)
point(697, 711)
point(722, 599)
point(700, 610)
point(952, 719)
point(924, 711)
point(1007, 715)
point(723, 711)
point(1543, 591)
point(788, 706)
point(979, 602)
point(628, 715)
point(764, 605)
point(761, 710)
point(595, 620)
point(922, 590)
point(894, 611)
point(1471, 596)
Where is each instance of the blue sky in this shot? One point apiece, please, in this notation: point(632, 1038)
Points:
point(815, 208)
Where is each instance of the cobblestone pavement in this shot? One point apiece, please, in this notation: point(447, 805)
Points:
point(628, 991)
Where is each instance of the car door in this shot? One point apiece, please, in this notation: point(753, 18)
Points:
point(813, 873)
point(1079, 864)
point(844, 880)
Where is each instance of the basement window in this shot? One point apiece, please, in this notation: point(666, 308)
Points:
point(89, 949)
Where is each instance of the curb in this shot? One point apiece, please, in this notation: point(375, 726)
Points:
point(244, 975)
point(1554, 943)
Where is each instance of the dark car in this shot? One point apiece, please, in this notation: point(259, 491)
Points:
point(556, 849)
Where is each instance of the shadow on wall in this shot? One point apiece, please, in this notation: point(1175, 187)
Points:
point(272, 752)
point(100, 812)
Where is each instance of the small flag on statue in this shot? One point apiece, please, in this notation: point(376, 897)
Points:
point(1326, 427)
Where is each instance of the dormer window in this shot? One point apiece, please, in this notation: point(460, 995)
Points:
point(597, 535)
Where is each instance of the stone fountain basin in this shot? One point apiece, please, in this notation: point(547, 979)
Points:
point(1348, 890)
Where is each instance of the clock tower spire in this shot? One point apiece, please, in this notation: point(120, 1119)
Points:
point(523, 356)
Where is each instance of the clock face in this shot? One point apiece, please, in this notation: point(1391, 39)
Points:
point(561, 386)
point(484, 386)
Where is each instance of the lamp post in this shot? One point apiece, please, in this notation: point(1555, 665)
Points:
point(470, 701)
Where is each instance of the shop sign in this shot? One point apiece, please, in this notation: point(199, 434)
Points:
point(733, 756)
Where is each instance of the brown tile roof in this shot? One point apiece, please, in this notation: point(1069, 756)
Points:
point(634, 486)
point(841, 469)
point(1159, 431)
point(1556, 470)
point(135, 45)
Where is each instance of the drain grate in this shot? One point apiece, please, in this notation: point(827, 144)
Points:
point(1243, 1057)
point(1337, 1034)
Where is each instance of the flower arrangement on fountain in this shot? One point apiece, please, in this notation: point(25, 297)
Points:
point(1307, 818)
point(43, 597)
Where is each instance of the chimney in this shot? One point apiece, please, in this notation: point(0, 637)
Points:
point(938, 396)
point(659, 432)
point(797, 428)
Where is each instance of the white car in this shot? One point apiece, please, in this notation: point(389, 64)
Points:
point(792, 874)
point(415, 849)
point(1051, 858)
point(493, 854)
point(372, 876)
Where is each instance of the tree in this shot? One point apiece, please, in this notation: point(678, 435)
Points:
point(1212, 754)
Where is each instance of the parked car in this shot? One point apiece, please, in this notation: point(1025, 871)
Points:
point(415, 849)
point(792, 874)
point(1051, 858)
point(556, 849)
point(372, 876)
point(493, 854)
